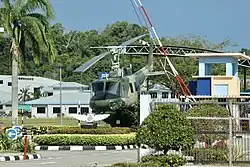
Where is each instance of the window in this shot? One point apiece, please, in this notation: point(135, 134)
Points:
point(153, 95)
point(56, 110)
point(40, 110)
point(164, 95)
point(136, 87)
point(9, 84)
point(1, 107)
point(84, 110)
point(131, 87)
point(1, 81)
point(72, 110)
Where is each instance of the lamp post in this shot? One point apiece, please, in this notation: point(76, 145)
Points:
point(60, 71)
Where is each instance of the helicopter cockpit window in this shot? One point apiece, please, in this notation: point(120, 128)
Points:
point(98, 87)
point(113, 87)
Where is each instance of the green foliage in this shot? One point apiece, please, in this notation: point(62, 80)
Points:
point(208, 110)
point(127, 164)
point(74, 49)
point(86, 140)
point(129, 117)
point(76, 130)
point(155, 161)
point(165, 160)
point(14, 145)
point(205, 127)
point(99, 130)
point(166, 128)
point(18, 145)
point(207, 155)
point(5, 143)
point(28, 29)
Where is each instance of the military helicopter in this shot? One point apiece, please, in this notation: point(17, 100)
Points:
point(121, 87)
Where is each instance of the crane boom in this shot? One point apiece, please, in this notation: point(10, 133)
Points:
point(155, 36)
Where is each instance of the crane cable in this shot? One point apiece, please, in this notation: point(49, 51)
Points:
point(133, 4)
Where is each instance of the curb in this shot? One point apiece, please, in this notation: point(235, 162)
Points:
point(84, 148)
point(20, 157)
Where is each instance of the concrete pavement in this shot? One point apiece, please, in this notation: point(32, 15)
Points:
point(76, 159)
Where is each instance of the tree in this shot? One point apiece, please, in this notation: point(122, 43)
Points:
point(26, 27)
point(25, 95)
point(166, 128)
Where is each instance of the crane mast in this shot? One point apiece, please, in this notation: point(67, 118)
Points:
point(155, 38)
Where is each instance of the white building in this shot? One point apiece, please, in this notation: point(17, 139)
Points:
point(161, 93)
point(50, 91)
point(49, 107)
point(33, 83)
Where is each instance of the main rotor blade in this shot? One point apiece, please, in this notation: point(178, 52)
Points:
point(132, 40)
point(92, 61)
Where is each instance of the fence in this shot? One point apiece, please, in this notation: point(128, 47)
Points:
point(223, 140)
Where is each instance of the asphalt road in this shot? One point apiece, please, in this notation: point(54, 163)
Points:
point(76, 159)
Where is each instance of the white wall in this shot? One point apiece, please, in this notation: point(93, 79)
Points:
point(49, 110)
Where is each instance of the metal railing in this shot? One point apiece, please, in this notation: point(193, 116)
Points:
point(223, 140)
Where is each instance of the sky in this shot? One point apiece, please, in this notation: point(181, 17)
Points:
point(215, 20)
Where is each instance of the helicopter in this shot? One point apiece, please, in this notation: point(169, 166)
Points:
point(120, 88)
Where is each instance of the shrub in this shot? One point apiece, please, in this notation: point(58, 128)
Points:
point(127, 164)
point(166, 128)
point(14, 145)
point(202, 155)
point(99, 130)
point(207, 128)
point(76, 130)
point(86, 140)
point(18, 145)
point(165, 160)
point(5, 142)
point(129, 117)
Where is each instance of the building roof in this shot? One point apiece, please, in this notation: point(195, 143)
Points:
point(70, 98)
point(235, 55)
point(159, 88)
point(69, 85)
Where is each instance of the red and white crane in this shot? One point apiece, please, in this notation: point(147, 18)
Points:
point(155, 38)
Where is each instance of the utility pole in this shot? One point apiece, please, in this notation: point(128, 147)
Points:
point(60, 95)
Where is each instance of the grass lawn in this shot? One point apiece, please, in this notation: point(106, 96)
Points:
point(4, 122)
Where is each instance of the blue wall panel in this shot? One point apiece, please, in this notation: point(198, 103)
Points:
point(204, 86)
point(193, 87)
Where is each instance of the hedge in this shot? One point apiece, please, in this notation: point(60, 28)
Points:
point(207, 155)
point(85, 140)
point(76, 130)
point(99, 130)
point(155, 161)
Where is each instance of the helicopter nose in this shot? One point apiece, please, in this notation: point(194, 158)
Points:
point(99, 104)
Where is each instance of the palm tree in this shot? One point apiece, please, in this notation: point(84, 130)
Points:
point(25, 95)
point(24, 25)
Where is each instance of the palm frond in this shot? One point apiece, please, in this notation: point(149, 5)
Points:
point(43, 39)
point(33, 5)
point(5, 20)
point(41, 18)
point(35, 47)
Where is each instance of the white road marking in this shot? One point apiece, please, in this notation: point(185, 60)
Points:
point(45, 163)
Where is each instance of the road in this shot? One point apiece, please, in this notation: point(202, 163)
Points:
point(76, 159)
